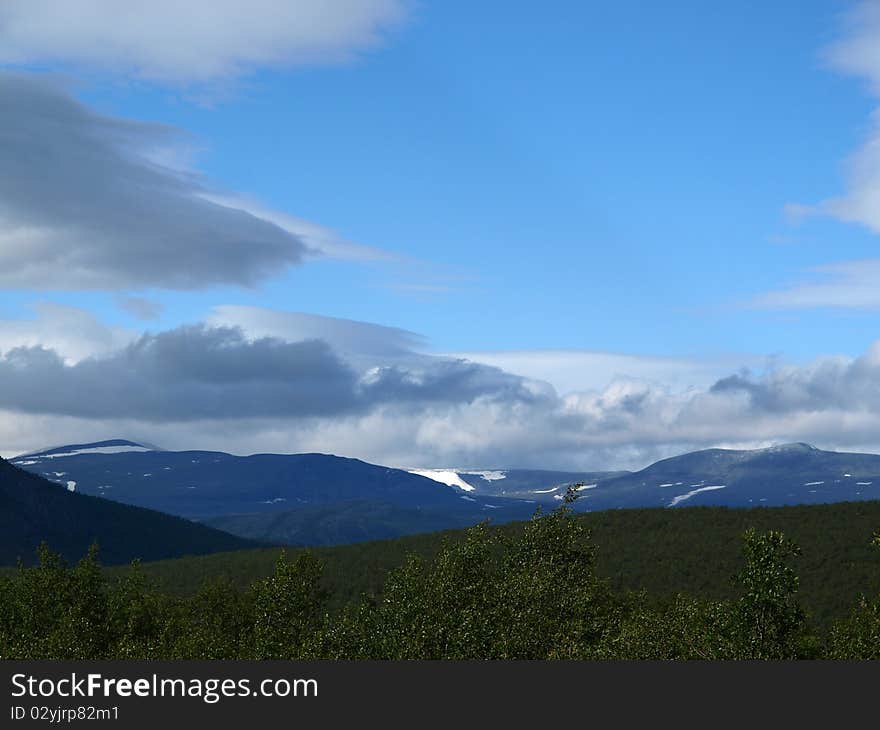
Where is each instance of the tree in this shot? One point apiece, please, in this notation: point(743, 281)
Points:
point(769, 619)
point(138, 617)
point(289, 609)
point(54, 612)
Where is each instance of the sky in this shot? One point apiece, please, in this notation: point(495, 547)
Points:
point(567, 235)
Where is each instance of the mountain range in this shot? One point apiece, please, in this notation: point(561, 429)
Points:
point(795, 473)
point(303, 499)
point(320, 499)
point(780, 475)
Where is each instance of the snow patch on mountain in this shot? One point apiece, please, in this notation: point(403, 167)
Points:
point(489, 476)
point(36, 458)
point(449, 477)
point(682, 497)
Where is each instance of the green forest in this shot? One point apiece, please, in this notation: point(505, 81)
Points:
point(692, 550)
point(536, 590)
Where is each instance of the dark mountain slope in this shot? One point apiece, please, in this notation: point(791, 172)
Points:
point(33, 510)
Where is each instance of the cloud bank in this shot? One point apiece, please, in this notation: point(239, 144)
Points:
point(201, 372)
point(196, 40)
point(251, 380)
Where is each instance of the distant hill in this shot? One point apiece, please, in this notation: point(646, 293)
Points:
point(291, 498)
point(33, 510)
point(202, 484)
point(779, 475)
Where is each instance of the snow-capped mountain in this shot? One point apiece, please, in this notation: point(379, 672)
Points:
point(787, 474)
point(319, 498)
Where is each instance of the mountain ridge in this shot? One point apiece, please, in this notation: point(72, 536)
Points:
point(327, 499)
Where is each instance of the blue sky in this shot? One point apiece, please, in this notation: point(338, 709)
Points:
point(663, 182)
point(607, 177)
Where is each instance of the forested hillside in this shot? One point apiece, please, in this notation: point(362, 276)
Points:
point(693, 550)
point(531, 591)
point(33, 510)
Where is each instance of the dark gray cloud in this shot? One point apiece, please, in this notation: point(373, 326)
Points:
point(85, 205)
point(443, 380)
point(200, 372)
point(826, 385)
point(184, 374)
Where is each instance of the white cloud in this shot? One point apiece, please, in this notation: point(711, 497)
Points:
point(861, 202)
point(195, 40)
point(320, 240)
point(73, 333)
point(857, 53)
point(850, 284)
point(353, 338)
point(579, 370)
